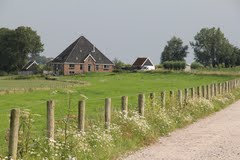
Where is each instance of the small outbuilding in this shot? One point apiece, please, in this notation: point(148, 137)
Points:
point(30, 68)
point(143, 63)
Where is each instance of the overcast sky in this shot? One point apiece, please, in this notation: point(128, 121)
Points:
point(125, 29)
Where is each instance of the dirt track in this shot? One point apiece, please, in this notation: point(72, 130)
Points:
point(214, 138)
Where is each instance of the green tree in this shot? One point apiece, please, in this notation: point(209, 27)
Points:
point(16, 46)
point(118, 64)
point(41, 59)
point(174, 50)
point(211, 48)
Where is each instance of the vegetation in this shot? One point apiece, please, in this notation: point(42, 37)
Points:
point(118, 64)
point(174, 65)
point(94, 87)
point(174, 50)
point(42, 59)
point(16, 46)
point(125, 133)
point(212, 48)
point(196, 65)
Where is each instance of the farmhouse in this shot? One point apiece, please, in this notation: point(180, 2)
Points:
point(143, 63)
point(80, 57)
point(30, 68)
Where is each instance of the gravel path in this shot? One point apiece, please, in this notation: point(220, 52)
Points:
point(214, 138)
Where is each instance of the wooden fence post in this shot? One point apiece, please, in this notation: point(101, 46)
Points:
point(13, 135)
point(125, 105)
point(212, 91)
point(226, 87)
point(219, 88)
point(180, 98)
point(229, 86)
point(192, 93)
point(215, 89)
point(108, 105)
point(152, 99)
point(81, 116)
point(207, 92)
point(185, 95)
point(203, 91)
point(198, 92)
point(171, 97)
point(141, 103)
point(50, 119)
point(163, 99)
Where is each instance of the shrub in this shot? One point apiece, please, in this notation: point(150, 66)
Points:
point(3, 73)
point(196, 65)
point(120, 71)
point(50, 78)
point(158, 66)
point(174, 65)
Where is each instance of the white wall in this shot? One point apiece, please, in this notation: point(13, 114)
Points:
point(146, 67)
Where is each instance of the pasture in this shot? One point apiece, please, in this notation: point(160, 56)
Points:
point(96, 87)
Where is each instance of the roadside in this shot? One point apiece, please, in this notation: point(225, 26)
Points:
point(215, 137)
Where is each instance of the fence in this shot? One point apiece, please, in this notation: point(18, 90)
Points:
point(204, 91)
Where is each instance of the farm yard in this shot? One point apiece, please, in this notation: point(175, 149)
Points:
point(94, 88)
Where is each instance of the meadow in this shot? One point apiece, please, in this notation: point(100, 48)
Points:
point(96, 87)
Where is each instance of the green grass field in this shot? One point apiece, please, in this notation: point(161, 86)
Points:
point(98, 87)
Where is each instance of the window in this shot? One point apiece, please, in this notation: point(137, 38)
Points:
point(97, 67)
point(71, 66)
point(81, 66)
point(106, 67)
point(71, 72)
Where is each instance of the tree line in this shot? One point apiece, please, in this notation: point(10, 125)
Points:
point(211, 49)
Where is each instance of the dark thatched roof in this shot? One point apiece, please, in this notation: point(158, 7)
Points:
point(79, 50)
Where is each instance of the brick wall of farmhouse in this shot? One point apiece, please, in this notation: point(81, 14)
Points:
point(89, 64)
point(68, 69)
point(77, 70)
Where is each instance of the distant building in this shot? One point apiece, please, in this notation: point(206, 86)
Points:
point(81, 57)
point(143, 64)
point(30, 68)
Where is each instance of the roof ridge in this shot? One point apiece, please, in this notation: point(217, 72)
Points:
point(73, 49)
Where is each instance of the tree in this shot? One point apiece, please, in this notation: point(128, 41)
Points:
point(41, 59)
point(118, 63)
point(174, 50)
point(211, 48)
point(16, 46)
point(237, 53)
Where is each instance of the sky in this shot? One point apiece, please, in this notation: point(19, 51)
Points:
point(123, 29)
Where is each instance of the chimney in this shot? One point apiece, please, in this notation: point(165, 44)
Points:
point(93, 49)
